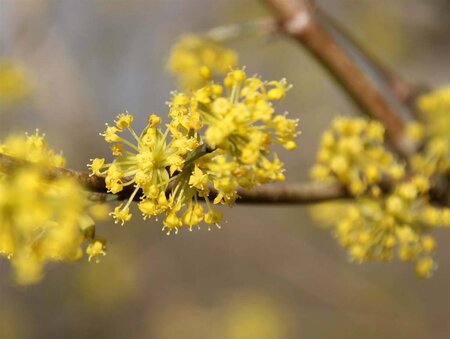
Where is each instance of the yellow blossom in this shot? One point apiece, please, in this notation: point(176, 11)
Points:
point(124, 120)
point(42, 219)
point(435, 108)
point(216, 138)
point(353, 153)
point(15, 84)
point(96, 249)
point(195, 59)
point(425, 267)
point(121, 214)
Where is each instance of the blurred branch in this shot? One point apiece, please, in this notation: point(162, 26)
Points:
point(92, 183)
point(401, 94)
point(273, 194)
point(228, 32)
point(298, 19)
point(401, 89)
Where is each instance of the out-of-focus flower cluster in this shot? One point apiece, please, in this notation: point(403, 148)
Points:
point(374, 228)
point(435, 108)
point(195, 59)
point(15, 83)
point(219, 136)
point(42, 218)
point(434, 131)
point(352, 151)
point(380, 223)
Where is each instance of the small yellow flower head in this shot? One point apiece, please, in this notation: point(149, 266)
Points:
point(428, 243)
point(153, 120)
point(415, 131)
point(148, 208)
point(193, 215)
point(213, 217)
point(96, 249)
point(198, 179)
point(196, 59)
point(172, 222)
point(425, 267)
point(279, 89)
point(41, 219)
point(117, 149)
point(15, 84)
point(435, 108)
point(111, 135)
point(97, 165)
point(121, 214)
point(33, 148)
point(352, 152)
point(434, 159)
point(235, 77)
point(124, 121)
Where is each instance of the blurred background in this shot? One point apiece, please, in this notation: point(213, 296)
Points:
point(270, 272)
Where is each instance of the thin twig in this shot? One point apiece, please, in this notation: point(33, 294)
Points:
point(299, 21)
point(296, 193)
point(272, 194)
point(403, 91)
point(395, 87)
point(261, 26)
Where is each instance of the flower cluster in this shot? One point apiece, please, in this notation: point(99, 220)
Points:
point(374, 228)
point(434, 131)
point(219, 139)
point(42, 219)
point(14, 83)
point(195, 59)
point(352, 151)
point(435, 109)
point(32, 148)
point(376, 225)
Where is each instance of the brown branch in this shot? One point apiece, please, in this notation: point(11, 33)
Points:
point(402, 90)
point(295, 193)
point(273, 194)
point(298, 193)
point(298, 20)
point(396, 86)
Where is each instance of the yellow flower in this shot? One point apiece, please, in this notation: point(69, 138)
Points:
point(435, 108)
point(124, 120)
point(213, 217)
point(31, 148)
point(193, 215)
point(425, 267)
point(195, 59)
point(198, 179)
point(217, 137)
point(279, 89)
point(15, 84)
point(96, 249)
point(172, 222)
point(97, 165)
point(352, 152)
point(121, 214)
point(42, 219)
